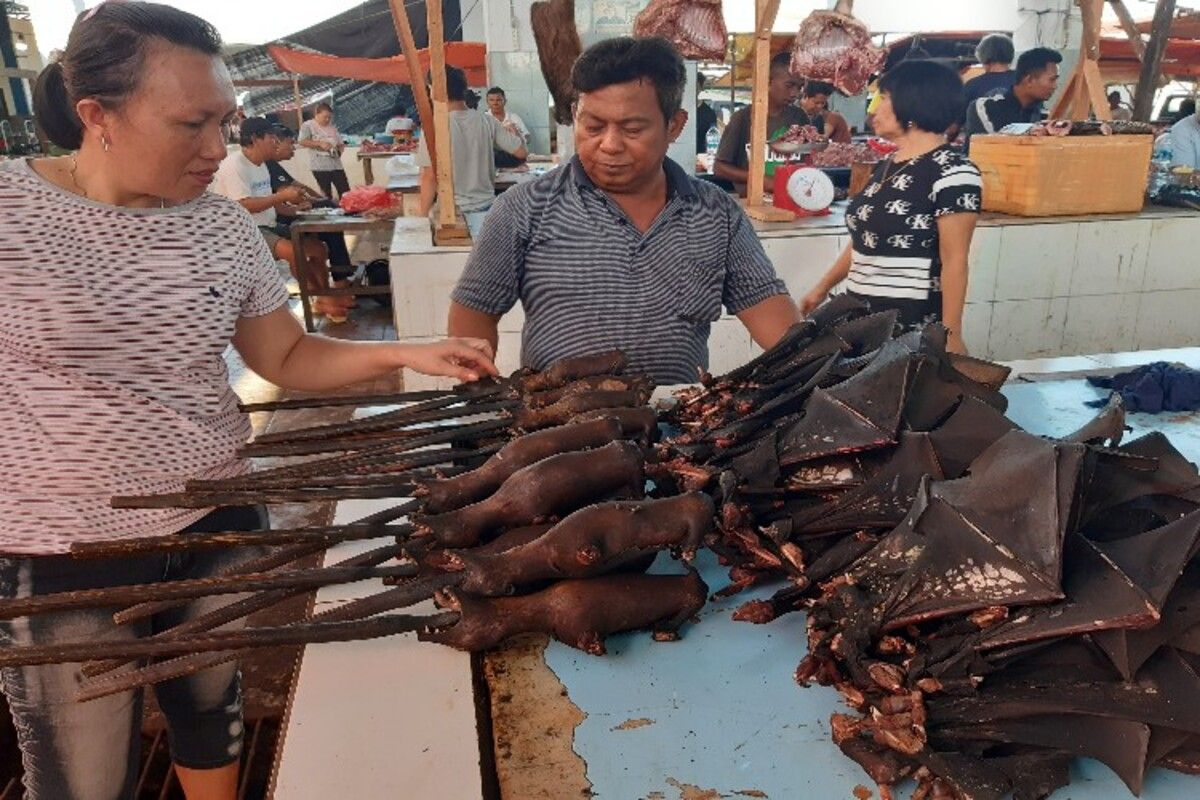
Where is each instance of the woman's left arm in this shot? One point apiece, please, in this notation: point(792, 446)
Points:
point(954, 244)
point(277, 348)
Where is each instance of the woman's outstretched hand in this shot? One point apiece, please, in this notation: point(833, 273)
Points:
point(465, 359)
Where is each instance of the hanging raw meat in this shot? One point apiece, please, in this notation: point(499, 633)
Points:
point(836, 48)
point(558, 47)
point(695, 27)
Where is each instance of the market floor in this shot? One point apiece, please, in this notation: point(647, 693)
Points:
point(266, 676)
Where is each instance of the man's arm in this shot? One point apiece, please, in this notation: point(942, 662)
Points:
point(732, 149)
point(767, 321)
point(506, 140)
point(428, 189)
point(287, 194)
point(482, 326)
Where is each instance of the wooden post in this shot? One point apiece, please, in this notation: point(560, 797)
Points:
point(1084, 92)
point(1160, 32)
point(765, 12)
point(448, 226)
point(299, 102)
point(408, 46)
point(1130, 28)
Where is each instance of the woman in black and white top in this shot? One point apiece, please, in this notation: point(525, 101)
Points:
point(911, 227)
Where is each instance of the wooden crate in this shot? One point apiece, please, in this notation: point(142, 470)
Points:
point(1045, 176)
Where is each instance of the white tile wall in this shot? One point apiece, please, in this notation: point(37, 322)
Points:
point(983, 263)
point(1027, 328)
point(1172, 263)
point(1100, 324)
point(1111, 258)
point(977, 324)
point(1037, 261)
point(1168, 319)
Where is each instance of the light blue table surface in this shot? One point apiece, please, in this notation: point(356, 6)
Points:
point(726, 715)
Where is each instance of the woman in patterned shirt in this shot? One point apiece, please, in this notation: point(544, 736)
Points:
point(140, 280)
point(911, 227)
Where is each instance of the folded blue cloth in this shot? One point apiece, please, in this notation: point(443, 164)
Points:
point(1153, 388)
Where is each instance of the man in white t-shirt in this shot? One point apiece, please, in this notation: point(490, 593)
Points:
point(401, 123)
point(497, 107)
point(244, 178)
point(474, 138)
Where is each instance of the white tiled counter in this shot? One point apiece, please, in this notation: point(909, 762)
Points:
point(1039, 288)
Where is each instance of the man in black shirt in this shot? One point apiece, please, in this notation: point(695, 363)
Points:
point(1035, 81)
point(705, 116)
point(733, 156)
point(339, 256)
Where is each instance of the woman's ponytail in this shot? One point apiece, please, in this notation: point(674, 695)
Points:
point(55, 112)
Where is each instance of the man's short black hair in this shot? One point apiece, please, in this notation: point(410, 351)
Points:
point(1033, 62)
point(818, 88)
point(254, 128)
point(626, 59)
point(496, 90)
point(456, 84)
point(781, 60)
point(925, 94)
point(284, 132)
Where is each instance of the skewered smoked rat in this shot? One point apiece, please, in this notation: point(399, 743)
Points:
point(640, 423)
point(551, 487)
point(590, 542)
point(579, 613)
point(560, 373)
point(448, 494)
point(532, 419)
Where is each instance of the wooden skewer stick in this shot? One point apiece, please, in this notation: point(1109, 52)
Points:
point(408, 594)
point(385, 452)
point(342, 400)
point(270, 497)
point(244, 607)
point(175, 543)
point(397, 440)
point(436, 411)
point(117, 596)
point(302, 633)
point(217, 648)
point(286, 555)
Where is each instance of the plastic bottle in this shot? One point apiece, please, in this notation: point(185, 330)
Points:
point(712, 140)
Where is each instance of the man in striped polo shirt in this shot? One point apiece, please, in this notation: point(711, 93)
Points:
point(620, 248)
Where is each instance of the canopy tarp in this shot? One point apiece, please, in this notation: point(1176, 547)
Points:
point(470, 57)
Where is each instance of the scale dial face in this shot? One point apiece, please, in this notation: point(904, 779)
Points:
point(810, 189)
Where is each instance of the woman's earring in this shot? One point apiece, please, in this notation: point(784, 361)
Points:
point(104, 141)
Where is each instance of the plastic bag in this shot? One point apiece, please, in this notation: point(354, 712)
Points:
point(365, 198)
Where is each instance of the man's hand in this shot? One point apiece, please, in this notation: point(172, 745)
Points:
point(292, 195)
point(465, 359)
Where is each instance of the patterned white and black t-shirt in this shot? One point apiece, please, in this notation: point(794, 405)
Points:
point(893, 223)
point(112, 357)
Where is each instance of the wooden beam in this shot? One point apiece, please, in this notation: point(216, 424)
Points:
point(448, 227)
point(765, 12)
point(1130, 27)
point(1160, 31)
point(299, 101)
point(844, 7)
point(408, 46)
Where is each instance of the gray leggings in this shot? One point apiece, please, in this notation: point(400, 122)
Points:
point(90, 751)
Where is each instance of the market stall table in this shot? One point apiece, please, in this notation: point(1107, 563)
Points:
point(333, 223)
point(716, 714)
point(368, 162)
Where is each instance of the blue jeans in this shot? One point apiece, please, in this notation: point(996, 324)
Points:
point(90, 751)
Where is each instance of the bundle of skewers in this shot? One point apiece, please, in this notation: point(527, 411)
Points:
point(525, 512)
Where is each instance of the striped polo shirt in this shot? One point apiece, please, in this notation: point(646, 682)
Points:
point(590, 281)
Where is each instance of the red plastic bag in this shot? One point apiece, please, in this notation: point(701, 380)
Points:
point(365, 198)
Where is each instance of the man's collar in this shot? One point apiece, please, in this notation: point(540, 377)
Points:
point(679, 183)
